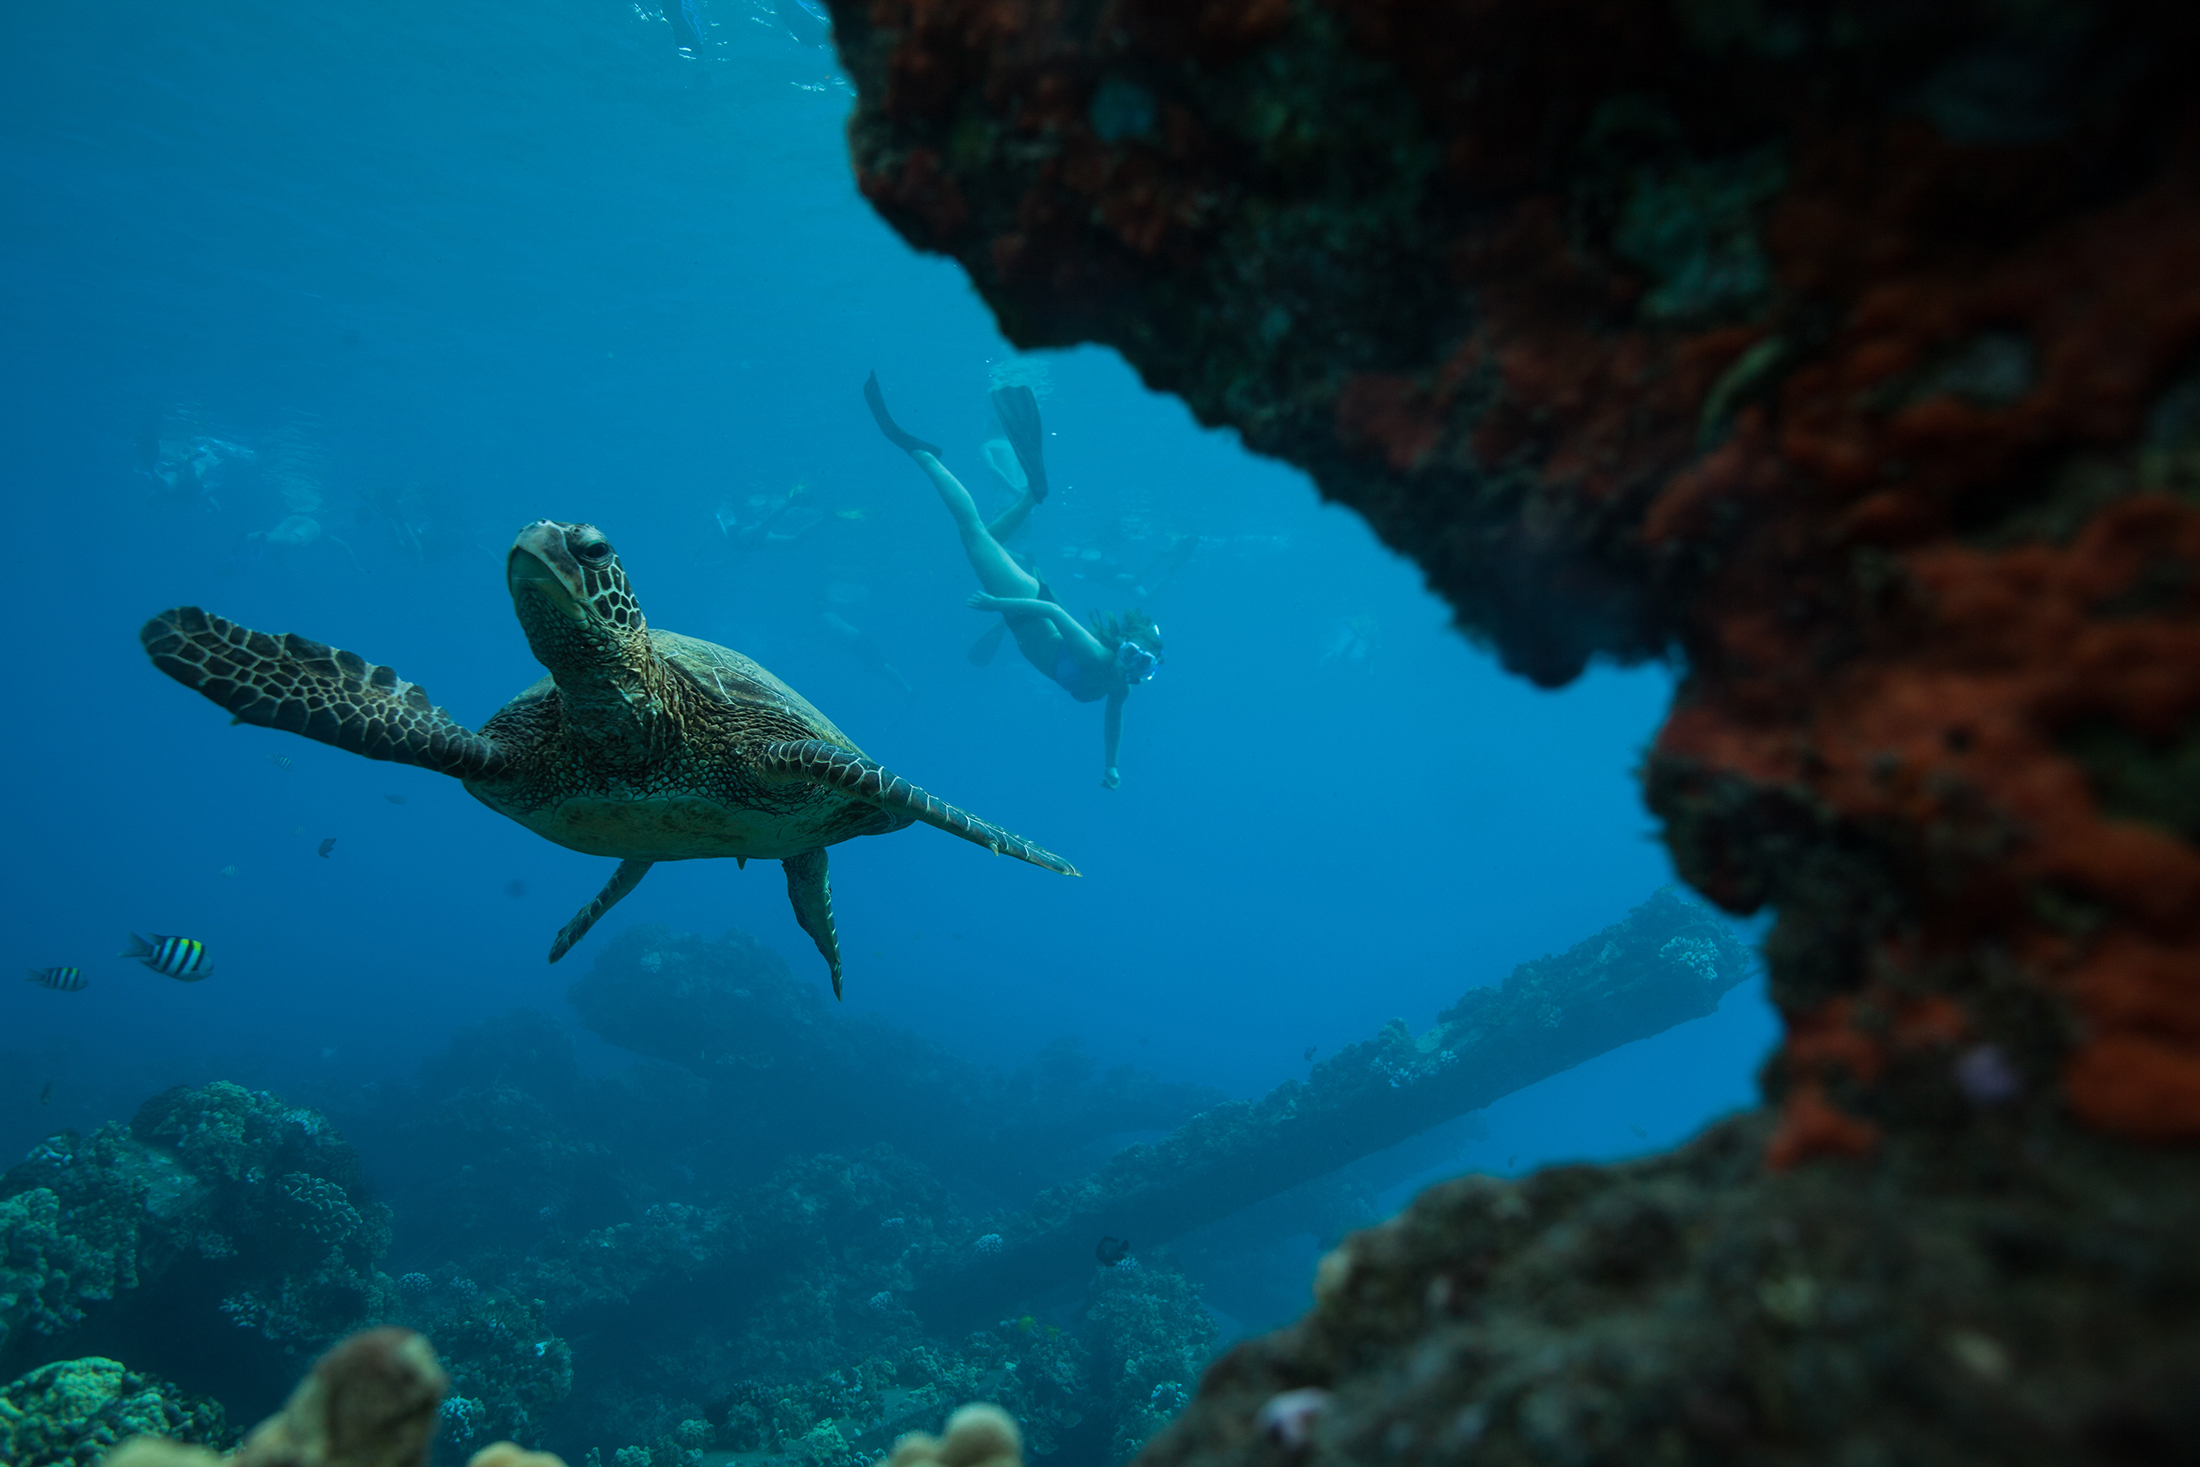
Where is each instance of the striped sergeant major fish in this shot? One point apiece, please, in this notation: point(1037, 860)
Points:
point(64, 980)
point(180, 958)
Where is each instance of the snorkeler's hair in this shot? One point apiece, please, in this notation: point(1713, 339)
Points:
point(1132, 626)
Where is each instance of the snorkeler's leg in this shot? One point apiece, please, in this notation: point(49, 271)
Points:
point(625, 879)
point(1018, 409)
point(981, 651)
point(997, 570)
point(1012, 518)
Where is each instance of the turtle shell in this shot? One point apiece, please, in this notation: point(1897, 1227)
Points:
point(699, 793)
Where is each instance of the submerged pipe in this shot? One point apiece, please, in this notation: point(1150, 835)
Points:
point(1668, 961)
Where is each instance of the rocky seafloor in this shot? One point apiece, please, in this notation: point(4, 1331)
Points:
point(589, 1282)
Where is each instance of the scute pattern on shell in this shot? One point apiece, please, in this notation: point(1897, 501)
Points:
point(306, 687)
point(707, 751)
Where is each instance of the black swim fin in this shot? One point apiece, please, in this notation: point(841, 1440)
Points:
point(1019, 412)
point(906, 442)
point(981, 651)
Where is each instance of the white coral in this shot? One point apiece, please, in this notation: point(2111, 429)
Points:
point(1694, 952)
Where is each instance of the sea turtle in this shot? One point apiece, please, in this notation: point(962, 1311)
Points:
point(640, 744)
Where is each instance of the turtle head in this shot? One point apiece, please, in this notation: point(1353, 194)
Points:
point(574, 603)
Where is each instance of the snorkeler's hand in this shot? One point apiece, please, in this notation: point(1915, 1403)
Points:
point(1111, 779)
point(979, 601)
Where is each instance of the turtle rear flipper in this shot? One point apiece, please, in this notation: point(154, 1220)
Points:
point(816, 762)
point(306, 687)
point(625, 879)
point(810, 889)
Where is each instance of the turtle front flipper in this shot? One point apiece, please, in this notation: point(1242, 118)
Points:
point(810, 889)
point(306, 687)
point(625, 879)
point(817, 762)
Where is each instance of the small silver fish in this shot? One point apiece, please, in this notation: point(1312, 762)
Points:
point(280, 761)
point(328, 845)
point(61, 980)
point(180, 958)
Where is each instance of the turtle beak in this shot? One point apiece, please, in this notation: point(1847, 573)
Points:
point(541, 565)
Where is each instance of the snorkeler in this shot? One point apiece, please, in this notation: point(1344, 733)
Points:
point(1105, 660)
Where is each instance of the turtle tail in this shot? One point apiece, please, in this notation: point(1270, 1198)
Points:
point(305, 687)
point(813, 761)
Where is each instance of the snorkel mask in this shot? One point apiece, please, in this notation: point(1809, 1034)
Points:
point(1135, 663)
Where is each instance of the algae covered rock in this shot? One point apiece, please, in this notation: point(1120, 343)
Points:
point(2020, 1299)
point(74, 1412)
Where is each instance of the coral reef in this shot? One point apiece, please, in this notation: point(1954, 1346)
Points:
point(223, 1233)
point(508, 1369)
point(788, 1077)
point(501, 1135)
point(377, 1399)
point(976, 1436)
point(373, 1401)
point(606, 1270)
point(511, 1454)
point(1039, 1372)
point(1152, 1339)
point(217, 1209)
point(73, 1412)
point(1849, 354)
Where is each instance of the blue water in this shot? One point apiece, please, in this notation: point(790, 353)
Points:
point(529, 261)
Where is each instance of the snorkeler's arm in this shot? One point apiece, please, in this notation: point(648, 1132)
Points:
point(1112, 721)
point(1075, 632)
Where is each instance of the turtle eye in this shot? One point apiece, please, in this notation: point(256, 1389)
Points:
point(595, 552)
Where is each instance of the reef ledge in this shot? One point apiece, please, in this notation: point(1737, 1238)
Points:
point(1848, 355)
